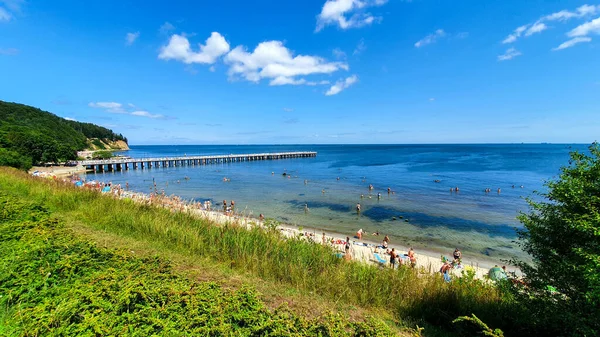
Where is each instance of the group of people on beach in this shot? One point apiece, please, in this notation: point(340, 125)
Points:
point(175, 203)
point(396, 260)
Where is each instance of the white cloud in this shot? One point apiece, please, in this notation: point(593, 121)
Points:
point(339, 54)
point(431, 38)
point(588, 10)
point(273, 60)
point(142, 113)
point(537, 27)
point(509, 54)
point(179, 49)
point(341, 85)
point(360, 47)
point(347, 13)
point(113, 107)
point(515, 35)
point(282, 80)
point(4, 15)
point(586, 28)
point(9, 6)
point(212, 69)
point(288, 109)
point(431, 99)
point(560, 16)
point(131, 37)
point(166, 27)
point(71, 119)
point(572, 42)
point(565, 15)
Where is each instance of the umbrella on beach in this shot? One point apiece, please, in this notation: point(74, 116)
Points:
point(496, 274)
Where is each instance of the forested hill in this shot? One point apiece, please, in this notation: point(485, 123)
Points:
point(30, 136)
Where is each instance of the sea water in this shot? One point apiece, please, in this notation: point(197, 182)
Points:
point(420, 211)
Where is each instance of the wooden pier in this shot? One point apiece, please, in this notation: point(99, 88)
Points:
point(124, 164)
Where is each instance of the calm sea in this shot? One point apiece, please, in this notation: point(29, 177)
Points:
point(480, 224)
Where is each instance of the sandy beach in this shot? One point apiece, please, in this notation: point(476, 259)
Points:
point(363, 251)
point(58, 171)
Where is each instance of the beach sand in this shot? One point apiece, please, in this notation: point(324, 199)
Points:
point(58, 171)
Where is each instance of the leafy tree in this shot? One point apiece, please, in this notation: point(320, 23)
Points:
point(14, 159)
point(103, 155)
point(38, 136)
point(562, 235)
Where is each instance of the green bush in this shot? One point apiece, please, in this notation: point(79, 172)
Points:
point(562, 235)
point(14, 159)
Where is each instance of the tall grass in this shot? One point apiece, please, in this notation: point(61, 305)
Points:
point(307, 266)
point(55, 284)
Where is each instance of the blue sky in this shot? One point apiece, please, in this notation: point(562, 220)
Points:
point(311, 71)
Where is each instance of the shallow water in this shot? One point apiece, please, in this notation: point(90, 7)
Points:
point(480, 224)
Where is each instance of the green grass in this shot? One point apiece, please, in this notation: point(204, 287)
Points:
point(312, 268)
point(55, 284)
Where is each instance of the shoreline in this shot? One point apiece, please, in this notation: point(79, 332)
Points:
point(56, 171)
point(428, 261)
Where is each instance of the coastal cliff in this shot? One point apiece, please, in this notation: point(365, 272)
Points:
point(95, 144)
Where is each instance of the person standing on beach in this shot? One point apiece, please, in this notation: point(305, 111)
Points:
point(393, 257)
point(358, 208)
point(412, 258)
point(386, 239)
point(232, 206)
point(347, 247)
point(224, 206)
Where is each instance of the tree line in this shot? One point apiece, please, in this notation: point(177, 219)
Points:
point(30, 136)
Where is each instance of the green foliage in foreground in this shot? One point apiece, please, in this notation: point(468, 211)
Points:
point(563, 237)
point(52, 283)
point(31, 136)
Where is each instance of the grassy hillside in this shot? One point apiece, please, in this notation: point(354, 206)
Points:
point(404, 295)
point(30, 136)
point(53, 283)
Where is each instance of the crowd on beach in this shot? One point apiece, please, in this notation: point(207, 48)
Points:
point(382, 254)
